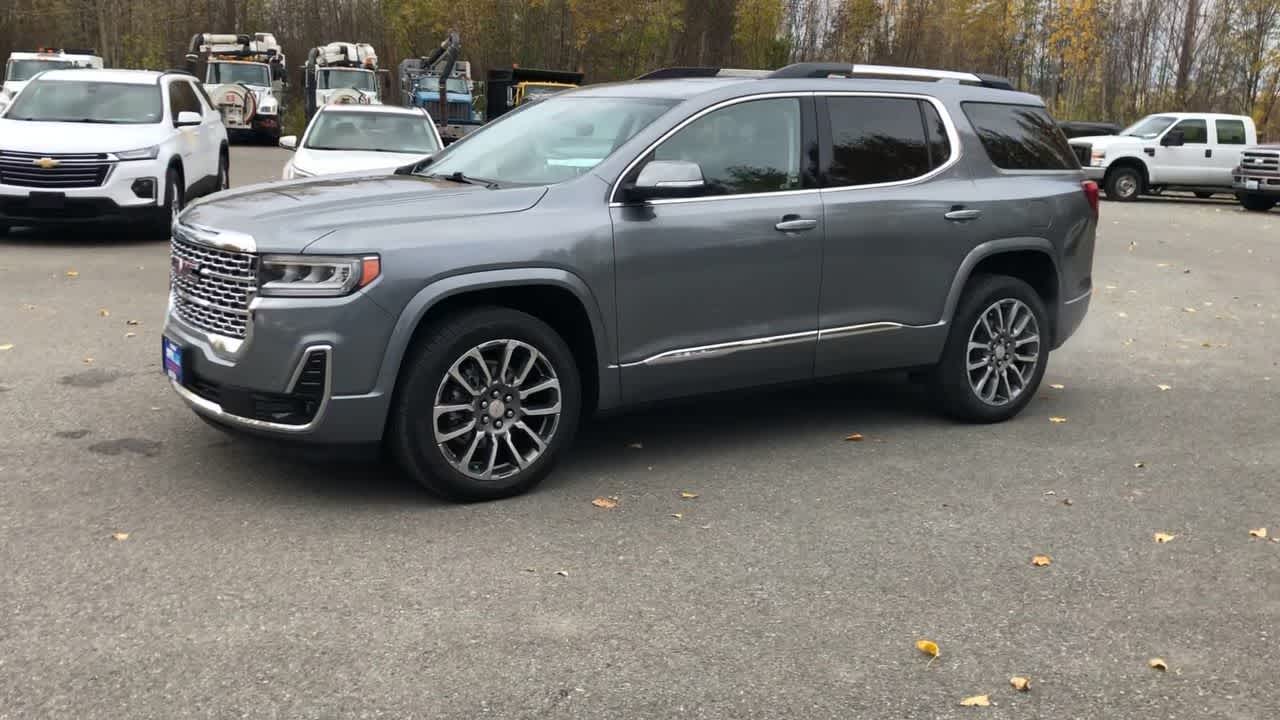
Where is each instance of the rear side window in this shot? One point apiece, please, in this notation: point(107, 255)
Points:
point(1020, 137)
point(1230, 132)
point(881, 139)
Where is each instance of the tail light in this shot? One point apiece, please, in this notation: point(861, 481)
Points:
point(1091, 194)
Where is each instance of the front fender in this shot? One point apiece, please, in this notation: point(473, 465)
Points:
point(439, 290)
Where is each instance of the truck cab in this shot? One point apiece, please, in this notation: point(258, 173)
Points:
point(24, 65)
point(344, 73)
point(1194, 152)
point(244, 77)
point(508, 88)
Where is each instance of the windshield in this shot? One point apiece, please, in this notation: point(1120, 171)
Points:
point(1148, 127)
point(551, 141)
point(80, 101)
point(19, 70)
point(247, 73)
point(379, 132)
point(343, 78)
point(454, 85)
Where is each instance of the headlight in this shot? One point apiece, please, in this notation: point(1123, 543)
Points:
point(146, 153)
point(1096, 157)
point(315, 276)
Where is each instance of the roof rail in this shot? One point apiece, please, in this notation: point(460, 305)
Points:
point(846, 70)
point(701, 72)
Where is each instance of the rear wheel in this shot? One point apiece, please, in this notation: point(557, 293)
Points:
point(1256, 203)
point(487, 402)
point(1124, 184)
point(996, 353)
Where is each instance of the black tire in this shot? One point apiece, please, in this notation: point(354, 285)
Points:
point(1256, 203)
point(4, 230)
point(951, 382)
point(1204, 195)
point(1124, 184)
point(224, 171)
point(425, 375)
point(174, 201)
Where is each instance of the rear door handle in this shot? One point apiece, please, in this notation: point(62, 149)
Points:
point(791, 223)
point(960, 214)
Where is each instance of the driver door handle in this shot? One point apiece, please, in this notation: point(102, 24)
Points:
point(794, 223)
point(962, 214)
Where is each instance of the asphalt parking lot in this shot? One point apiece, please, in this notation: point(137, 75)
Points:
point(795, 584)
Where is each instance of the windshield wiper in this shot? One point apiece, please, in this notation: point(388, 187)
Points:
point(458, 177)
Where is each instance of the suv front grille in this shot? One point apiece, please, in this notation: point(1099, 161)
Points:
point(212, 287)
point(1261, 160)
point(54, 171)
point(1083, 153)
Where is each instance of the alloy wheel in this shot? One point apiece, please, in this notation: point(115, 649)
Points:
point(496, 410)
point(1003, 351)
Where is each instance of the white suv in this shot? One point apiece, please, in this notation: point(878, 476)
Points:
point(97, 145)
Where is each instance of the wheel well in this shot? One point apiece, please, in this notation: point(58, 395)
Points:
point(553, 305)
point(1134, 163)
point(1032, 267)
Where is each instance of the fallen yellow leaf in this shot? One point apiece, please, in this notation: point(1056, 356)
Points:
point(1139, 465)
point(1164, 387)
point(6, 346)
point(1259, 533)
point(129, 335)
point(928, 647)
point(1206, 345)
point(1157, 664)
point(604, 502)
point(1188, 309)
point(88, 361)
point(132, 322)
point(855, 437)
point(977, 701)
point(677, 515)
point(1041, 560)
point(1021, 684)
point(686, 495)
point(1057, 420)
point(562, 573)
point(103, 312)
point(1164, 537)
point(1057, 386)
point(120, 536)
point(1122, 314)
point(73, 274)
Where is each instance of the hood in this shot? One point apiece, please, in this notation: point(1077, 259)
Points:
point(289, 216)
point(332, 162)
point(58, 137)
point(1102, 142)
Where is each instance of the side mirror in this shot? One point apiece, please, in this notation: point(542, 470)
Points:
point(1173, 138)
point(187, 118)
point(289, 142)
point(667, 179)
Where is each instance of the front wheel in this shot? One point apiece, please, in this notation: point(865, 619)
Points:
point(224, 172)
point(996, 352)
point(173, 203)
point(1124, 184)
point(486, 404)
point(1256, 203)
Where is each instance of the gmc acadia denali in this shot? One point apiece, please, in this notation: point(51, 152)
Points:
point(634, 242)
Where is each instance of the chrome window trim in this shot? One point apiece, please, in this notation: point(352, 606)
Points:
point(703, 352)
point(214, 411)
point(617, 183)
point(953, 138)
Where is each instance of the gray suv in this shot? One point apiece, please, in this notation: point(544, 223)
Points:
point(690, 232)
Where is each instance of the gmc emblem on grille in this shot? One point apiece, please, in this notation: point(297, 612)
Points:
point(184, 268)
point(46, 163)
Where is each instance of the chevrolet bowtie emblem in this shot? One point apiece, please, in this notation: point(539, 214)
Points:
point(46, 163)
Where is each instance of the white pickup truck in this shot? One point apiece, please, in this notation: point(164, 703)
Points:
point(1196, 152)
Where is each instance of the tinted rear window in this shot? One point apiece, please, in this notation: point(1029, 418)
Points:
point(1020, 137)
point(881, 139)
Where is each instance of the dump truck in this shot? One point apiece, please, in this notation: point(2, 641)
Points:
point(345, 73)
point(26, 64)
point(440, 83)
point(245, 76)
point(508, 88)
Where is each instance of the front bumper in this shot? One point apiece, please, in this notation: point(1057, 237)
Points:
point(1070, 315)
point(1095, 173)
point(266, 383)
point(116, 199)
point(1266, 184)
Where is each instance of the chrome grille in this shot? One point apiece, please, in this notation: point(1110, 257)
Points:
point(1261, 160)
point(457, 111)
point(211, 288)
point(26, 169)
